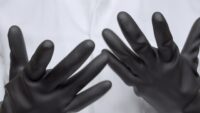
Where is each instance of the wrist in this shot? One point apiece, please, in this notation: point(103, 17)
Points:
point(194, 105)
point(5, 106)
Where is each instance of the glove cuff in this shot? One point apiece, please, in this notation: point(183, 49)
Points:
point(5, 106)
point(194, 106)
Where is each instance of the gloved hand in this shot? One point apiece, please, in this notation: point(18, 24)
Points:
point(166, 78)
point(33, 89)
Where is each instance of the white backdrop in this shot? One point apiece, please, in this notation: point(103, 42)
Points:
point(68, 22)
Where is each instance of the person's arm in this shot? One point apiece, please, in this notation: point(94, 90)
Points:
point(193, 106)
point(2, 83)
point(3, 74)
point(34, 89)
point(166, 78)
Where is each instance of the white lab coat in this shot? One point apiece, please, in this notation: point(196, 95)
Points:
point(68, 22)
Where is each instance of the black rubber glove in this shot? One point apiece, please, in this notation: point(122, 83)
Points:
point(164, 77)
point(33, 89)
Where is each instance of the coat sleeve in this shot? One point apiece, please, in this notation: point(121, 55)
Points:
point(4, 60)
point(2, 76)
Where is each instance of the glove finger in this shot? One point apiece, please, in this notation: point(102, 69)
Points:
point(135, 37)
point(36, 67)
point(69, 64)
point(166, 45)
point(82, 78)
point(191, 47)
point(124, 73)
point(89, 96)
point(18, 55)
point(120, 49)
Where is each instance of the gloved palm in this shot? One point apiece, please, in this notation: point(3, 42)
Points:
point(33, 89)
point(164, 77)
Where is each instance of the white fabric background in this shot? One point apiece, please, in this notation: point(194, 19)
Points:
point(68, 22)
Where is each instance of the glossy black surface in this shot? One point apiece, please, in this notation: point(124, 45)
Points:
point(34, 89)
point(165, 77)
